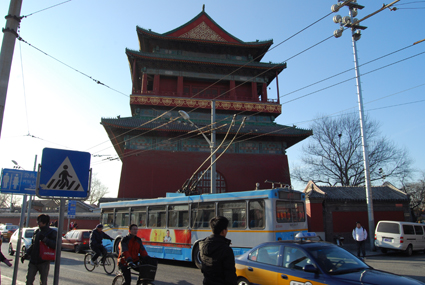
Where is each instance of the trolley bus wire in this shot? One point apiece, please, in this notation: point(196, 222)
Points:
point(333, 85)
point(342, 72)
point(26, 16)
point(303, 122)
point(98, 82)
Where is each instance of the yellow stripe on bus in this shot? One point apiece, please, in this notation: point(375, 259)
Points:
point(252, 231)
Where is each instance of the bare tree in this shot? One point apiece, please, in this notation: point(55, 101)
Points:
point(5, 200)
point(334, 155)
point(97, 191)
point(416, 190)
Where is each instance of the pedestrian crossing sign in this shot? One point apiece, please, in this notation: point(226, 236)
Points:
point(64, 173)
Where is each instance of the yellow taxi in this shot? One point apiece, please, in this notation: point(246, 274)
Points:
point(308, 262)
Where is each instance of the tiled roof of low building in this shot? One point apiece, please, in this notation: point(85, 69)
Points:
point(386, 192)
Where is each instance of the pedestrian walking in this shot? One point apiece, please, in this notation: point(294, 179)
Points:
point(43, 236)
point(218, 260)
point(360, 236)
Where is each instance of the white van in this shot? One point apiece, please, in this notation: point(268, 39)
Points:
point(403, 236)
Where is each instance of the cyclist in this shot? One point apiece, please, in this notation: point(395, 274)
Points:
point(96, 237)
point(130, 248)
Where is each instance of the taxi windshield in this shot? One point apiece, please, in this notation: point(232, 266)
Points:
point(334, 260)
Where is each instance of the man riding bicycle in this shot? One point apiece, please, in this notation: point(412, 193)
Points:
point(130, 248)
point(96, 237)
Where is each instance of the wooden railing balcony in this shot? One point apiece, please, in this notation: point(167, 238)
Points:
point(224, 97)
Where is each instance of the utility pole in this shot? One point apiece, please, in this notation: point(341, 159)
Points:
point(351, 22)
point(10, 33)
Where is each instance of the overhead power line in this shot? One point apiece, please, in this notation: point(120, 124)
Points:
point(44, 9)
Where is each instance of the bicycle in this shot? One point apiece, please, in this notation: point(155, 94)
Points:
point(146, 274)
point(108, 265)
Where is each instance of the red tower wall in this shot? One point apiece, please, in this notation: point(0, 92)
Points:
point(153, 173)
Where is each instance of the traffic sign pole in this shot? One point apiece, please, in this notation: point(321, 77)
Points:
point(18, 247)
point(59, 242)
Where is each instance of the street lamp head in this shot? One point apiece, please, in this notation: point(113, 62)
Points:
point(357, 35)
point(335, 8)
point(184, 115)
point(338, 33)
point(14, 162)
point(346, 20)
point(337, 19)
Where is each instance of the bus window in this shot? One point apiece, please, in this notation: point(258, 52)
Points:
point(299, 214)
point(289, 212)
point(138, 217)
point(108, 218)
point(157, 216)
point(235, 212)
point(256, 214)
point(178, 216)
point(122, 218)
point(202, 213)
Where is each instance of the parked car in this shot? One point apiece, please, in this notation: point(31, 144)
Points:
point(27, 234)
point(76, 240)
point(309, 262)
point(7, 231)
point(400, 236)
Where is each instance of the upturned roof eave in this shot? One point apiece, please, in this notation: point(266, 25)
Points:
point(158, 56)
point(304, 133)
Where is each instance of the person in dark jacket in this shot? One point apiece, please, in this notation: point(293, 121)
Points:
point(131, 249)
point(96, 237)
point(47, 235)
point(218, 260)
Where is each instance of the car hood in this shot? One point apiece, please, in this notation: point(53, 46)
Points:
point(373, 276)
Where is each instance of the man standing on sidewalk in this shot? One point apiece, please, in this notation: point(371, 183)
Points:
point(360, 236)
point(218, 260)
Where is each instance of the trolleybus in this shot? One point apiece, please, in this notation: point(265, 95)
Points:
point(171, 227)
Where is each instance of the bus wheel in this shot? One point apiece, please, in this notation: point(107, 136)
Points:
point(196, 256)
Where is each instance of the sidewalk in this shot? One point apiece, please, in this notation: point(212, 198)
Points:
point(6, 280)
point(353, 249)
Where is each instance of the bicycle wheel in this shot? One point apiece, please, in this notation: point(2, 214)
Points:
point(109, 264)
point(118, 280)
point(87, 259)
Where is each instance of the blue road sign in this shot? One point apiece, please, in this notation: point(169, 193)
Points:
point(17, 181)
point(72, 205)
point(64, 173)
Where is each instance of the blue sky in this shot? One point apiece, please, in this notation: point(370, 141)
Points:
point(62, 108)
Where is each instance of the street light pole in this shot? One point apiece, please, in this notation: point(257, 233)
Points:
point(211, 142)
point(350, 21)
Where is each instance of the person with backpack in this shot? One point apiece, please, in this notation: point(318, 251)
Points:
point(43, 236)
point(360, 236)
point(218, 259)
